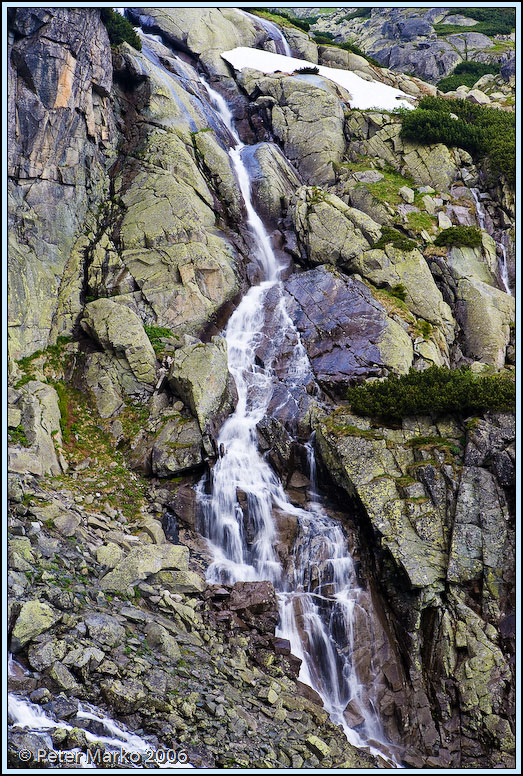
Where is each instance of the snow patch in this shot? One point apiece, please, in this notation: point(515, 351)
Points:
point(365, 94)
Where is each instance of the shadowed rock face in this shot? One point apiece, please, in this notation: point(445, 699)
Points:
point(61, 132)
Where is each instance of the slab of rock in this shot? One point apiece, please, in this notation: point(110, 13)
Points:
point(104, 629)
point(140, 562)
point(273, 179)
point(346, 332)
point(329, 231)
point(61, 128)
point(407, 194)
point(40, 416)
point(159, 638)
point(124, 696)
point(35, 618)
point(307, 119)
point(119, 330)
point(199, 375)
point(177, 448)
point(371, 176)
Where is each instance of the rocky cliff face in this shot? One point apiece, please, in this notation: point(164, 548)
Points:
point(130, 246)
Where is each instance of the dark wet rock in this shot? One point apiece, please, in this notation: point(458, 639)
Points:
point(508, 69)
point(344, 329)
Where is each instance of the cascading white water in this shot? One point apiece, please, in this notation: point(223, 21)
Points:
point(238, 500)
point(280, 42)
point(502, 251)
point(29, 716)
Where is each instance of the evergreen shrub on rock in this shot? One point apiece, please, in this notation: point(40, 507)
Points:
point(434, 391)
point(119, 29)
point(478, 129)
point(466, 236)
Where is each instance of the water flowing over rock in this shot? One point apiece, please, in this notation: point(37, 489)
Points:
point(210, 555)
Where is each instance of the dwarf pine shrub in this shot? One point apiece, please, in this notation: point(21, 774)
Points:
point(119, 29)
point(483, 131)
point(466, 236)
point(434, 391)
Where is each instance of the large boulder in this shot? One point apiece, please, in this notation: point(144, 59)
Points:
point(391, 266)
point(205, 32)
point(346, 332)
point(119, 331)
point(486, 315)
point(306, 116)
point(184, 268)
point(35, 617)
point(142, 562)
point(178, 448)
point(199, 375)
point(301, 44)
point(430, 165)
point(217, 164)
point(273, 179)
point(39, 417)
point(329, 231)
point(104, 629)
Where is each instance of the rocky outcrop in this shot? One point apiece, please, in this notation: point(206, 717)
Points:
point(305, 114)
point(168, 661)
point(405, 40)
point(199, 376)
point(119, 331)
point(329, 231)
point(346, 332)
point(273, 180)
point(445, 522)
point(205, 34)
point(36, 415)
point(61, 142)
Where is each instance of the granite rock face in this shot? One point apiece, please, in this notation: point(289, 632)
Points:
point(457, 562)
point(61, 141)
point(129, 235)
point(305, 114)
point(347, 334)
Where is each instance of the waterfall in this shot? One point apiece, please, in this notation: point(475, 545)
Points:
point(320, 599)
point(238, 498)
point(275, 34)
point(115, 737)
point(500, 246)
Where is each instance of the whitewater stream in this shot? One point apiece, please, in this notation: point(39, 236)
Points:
point(500, 246)
point(319, 600)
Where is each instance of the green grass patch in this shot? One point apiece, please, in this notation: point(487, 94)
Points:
point(17, 436)
point(424, 328)
point(387, 189)
point(419, 222)
point(392, 303)
point(119, 29)
point(434, 391)
point(281, 18)
point(490, 21)
point(158, 336)
point(485, 132)
point(326, 39)
point(467, 236)
point(359, 13)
